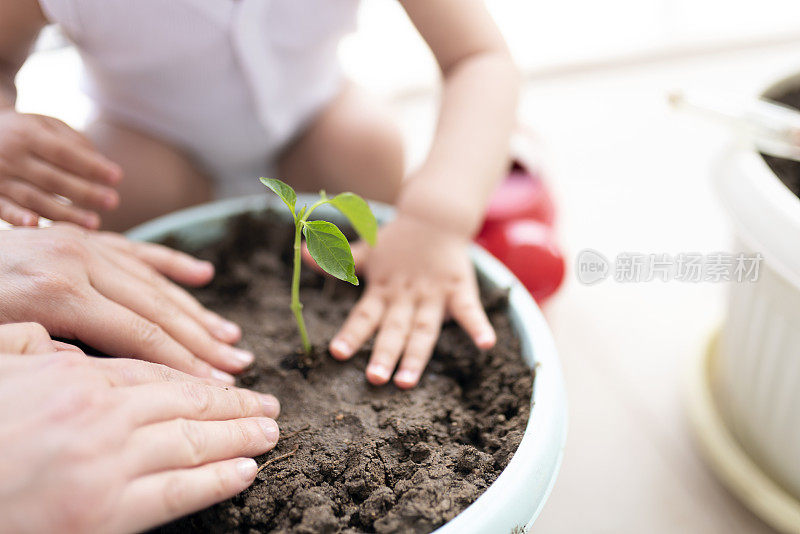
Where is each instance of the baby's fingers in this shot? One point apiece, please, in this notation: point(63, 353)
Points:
point(391, 340)
point(74, 157)
point(24, 203)
point(424, 333)
point(359, 326)
point(79, 190)
point(465, 308)
point(16, 215)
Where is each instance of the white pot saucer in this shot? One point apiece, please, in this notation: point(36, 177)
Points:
point(721, 451)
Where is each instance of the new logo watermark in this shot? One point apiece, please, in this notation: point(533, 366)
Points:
point(592, 267)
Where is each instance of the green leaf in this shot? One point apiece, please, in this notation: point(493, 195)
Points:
point(358, 213)
point(330, 249)
point(281, 189)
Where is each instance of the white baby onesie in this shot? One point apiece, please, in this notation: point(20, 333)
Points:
point(231, 81)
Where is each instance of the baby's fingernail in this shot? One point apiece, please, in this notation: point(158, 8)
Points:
point(222, 376)
point(270, 429)
point(28, 220)
point(341, 348)
point(110, 200)
point(242, 358)
point(271, 404)
point(246, 468)
point(406, 378)
point(90, 220)
point(378, 373)
point(114, 173)
point(486, 340)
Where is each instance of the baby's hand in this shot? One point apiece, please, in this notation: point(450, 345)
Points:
point(42, 159)
point(415, 274)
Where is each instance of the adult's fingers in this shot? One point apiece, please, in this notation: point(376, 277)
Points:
point(155, 499)
point(16, 215)
point(173, 264)
point(157, 402)
point(116, 330)
point(60, 346)
point(75, 158)
point(157, 307)
point(45, 204)
point(424, 332)
point(128, 372)
point(464, 306)
point(361, 322)
point(139, 259)
point(391, 339)
point(76, 188)
point(184, 443)
point(24, 338)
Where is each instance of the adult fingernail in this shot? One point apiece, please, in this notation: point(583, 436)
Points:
point(378, 373)
point(222, 376)
point(226, 329)
point(271, 404)
point(247, 468)
point(340, 348)
point(406, 378)
point(243, 358)
point(270, 429)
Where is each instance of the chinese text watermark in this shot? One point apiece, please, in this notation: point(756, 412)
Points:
point(592, 267)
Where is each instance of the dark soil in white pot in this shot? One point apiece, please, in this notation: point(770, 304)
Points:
point(353, 457)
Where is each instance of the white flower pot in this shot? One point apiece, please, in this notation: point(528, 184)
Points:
point(519, 493)
point(756, 377)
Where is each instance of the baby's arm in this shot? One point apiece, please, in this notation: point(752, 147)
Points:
point(20, 23)
point(41, 157)
point(420, 269)
point(470, 150)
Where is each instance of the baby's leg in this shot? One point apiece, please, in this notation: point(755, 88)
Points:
point(158, 178)
point(353, 145)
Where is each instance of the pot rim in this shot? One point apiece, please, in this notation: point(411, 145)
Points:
point(517, 496)
point(758, 201)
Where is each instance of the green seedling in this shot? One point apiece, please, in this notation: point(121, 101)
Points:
point(326, 243)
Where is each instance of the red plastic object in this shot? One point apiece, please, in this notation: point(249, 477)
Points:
point(521, 196)
point(528, 249)
point(518, 231)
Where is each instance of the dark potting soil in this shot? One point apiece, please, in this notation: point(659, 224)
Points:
point(787, 170)
point(354, 457)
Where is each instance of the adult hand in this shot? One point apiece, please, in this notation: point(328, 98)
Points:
point(117, 445)
point(42, 159)
point(415, 274)
point(112, 294)
point(30, 338)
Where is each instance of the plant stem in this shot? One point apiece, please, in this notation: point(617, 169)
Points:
point(296, 306)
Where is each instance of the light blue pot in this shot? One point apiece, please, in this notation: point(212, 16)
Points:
point(519, 493)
